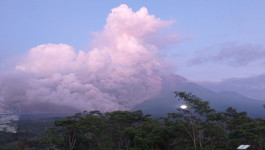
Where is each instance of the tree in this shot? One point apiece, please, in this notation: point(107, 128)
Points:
point(216, 134)
point(150, 135)
point(243, 129)
point(66, 133)
point(192, 120)
point(120, 122)
point(258, 130)
point(95, 130)
point(198, 127)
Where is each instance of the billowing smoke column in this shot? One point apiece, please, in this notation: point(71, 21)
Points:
point(122, 69)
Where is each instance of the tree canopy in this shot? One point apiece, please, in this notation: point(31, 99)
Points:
point(197, 127)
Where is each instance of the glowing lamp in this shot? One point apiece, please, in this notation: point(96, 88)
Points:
point(243, 147)
point(183, 106)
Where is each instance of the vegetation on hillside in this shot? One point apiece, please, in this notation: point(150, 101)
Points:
point(198, 127)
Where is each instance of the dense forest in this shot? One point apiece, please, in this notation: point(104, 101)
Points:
point(197, 127)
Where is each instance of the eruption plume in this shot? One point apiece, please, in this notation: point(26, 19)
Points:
point(122, 68)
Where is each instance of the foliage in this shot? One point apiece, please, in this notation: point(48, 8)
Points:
point(197, 127)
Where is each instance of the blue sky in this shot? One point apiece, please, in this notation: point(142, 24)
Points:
point(210, 29)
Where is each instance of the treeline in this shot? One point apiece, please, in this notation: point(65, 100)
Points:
point(198, 127)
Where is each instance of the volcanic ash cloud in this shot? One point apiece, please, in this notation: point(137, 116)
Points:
point(122, 69)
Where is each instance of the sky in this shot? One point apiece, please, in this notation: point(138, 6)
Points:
point(66, 48)
point(205, 29)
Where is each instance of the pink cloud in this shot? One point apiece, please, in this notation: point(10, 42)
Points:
point(122, 68)
point(234, 55)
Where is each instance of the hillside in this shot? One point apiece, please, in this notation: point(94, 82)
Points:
point(166, 102)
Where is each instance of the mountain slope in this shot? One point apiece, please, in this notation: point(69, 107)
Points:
point(166, 101)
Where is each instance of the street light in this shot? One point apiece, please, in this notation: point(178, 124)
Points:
point(243, 146)
point(183, 106)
